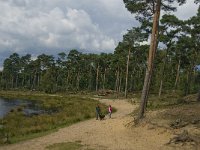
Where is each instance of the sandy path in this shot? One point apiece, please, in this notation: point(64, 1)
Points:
point(108, 134)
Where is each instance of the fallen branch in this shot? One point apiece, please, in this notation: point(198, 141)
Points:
point(183, 138)
point(178, 124)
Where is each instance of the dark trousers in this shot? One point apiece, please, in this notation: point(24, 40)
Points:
point(97, 116)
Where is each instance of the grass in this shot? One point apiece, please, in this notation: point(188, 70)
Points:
point(67, 146)
point(165, 101)
point(168, 100)
point(182, 116)
point(67, 110)
point(188, 111)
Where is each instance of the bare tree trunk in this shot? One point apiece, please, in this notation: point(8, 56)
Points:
point(90, 79)
point(120, 81)
point(117, 82)
point(2, 80)
point(198, 97)
point(187, 88)
point(104, 78)
point(12, 82)
point(177, 74)
point(23, 81)
point(131, 85)
point(29, 81)
point(7, 84)
point(153, 46)
point(162, 74)
point(77, 81)
point(97, 78)
point(16, 81)
point(127, 69)
point(34, 81)
point(160, 89)
point(38, 80)
point(67, 82)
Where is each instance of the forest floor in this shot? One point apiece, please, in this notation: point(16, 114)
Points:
point(119, 132)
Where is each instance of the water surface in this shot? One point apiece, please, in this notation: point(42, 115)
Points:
point(30, 107)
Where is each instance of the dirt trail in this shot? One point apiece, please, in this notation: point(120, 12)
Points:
point(111, 134)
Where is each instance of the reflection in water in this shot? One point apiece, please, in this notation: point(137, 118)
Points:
point(30, 107)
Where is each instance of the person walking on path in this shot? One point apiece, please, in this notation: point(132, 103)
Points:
point(98, 111)
point(110, 111)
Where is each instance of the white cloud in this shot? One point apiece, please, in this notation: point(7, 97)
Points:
point(25, 28)
point(51, 26)
point(187, 10)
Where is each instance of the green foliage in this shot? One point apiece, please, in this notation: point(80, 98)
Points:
point(144, 9)
point(67, 146)
point(175, 65)
point(49, 80)
point(66, 110)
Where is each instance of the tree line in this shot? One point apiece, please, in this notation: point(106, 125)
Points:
point(128, 69)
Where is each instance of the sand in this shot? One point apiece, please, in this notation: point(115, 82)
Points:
point(108, 134)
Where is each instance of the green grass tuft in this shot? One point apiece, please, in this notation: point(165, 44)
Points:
point(65, 146)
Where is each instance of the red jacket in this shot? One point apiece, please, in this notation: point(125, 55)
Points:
point(110, 109)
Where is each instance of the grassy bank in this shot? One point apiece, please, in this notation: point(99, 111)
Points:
point(15, 126)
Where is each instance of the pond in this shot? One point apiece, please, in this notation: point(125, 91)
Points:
point(29, 107)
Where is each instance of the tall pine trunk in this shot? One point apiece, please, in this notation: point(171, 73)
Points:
point(29, 82)
point(120, 81)
point(1, 80)
point(97, 78)
point(12, 82)
point(23, 81)
point(117, 82)
point(78, 81)
point(90, 79)
point(67, 82)
point(38, 80)
point(153, 46)
point(131, 85)
point(198, 97)
point(189, 76)
point(16, 81)
point(104, 78)
point(177, 74)
point(127, 69)
point(162, 74)
point(34, 81)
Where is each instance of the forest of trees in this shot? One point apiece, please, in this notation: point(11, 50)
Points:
point(147, 12)
point(175, 65)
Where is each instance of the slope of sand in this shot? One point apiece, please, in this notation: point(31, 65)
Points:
point(111, 134)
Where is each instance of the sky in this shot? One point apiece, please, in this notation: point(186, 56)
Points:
point(54, 26)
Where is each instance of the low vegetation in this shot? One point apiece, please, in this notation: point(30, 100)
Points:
point(67, 110)
point(177, 114)
point(166, 100)
point(68, 146)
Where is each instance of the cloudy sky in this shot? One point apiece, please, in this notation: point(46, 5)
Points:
point(53, 26)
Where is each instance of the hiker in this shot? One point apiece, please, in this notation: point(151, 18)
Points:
point(98, 111)
point(110, 111)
